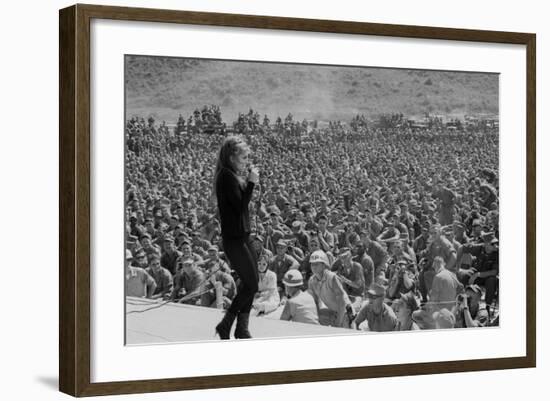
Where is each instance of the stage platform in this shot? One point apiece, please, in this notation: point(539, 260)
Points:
point(173, 322)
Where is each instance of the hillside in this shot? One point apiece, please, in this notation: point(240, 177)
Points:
point(164, 87)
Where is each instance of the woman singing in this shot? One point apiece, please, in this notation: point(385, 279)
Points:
point(233, 195)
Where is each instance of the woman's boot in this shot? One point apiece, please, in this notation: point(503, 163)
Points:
point(241, 331)
point(223, 329)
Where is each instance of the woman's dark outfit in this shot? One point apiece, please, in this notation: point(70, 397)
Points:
point(233, 203)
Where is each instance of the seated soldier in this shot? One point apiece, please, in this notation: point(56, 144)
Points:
point(485, 267)
point(333, 304)
point(188, 282)
point(220, 288)
point(299, 305)
point(281, 263)
point(379, 316)
point(350, 273)
point(162, 277)
point(468, 310)
point(402, 279)
point(138, 282)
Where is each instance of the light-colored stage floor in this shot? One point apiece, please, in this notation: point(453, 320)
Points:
point(183, 323)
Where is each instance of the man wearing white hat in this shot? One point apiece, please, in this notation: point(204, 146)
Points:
point(328, 292)
point(300, 306)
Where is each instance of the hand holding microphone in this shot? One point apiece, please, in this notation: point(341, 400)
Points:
point(253, 174)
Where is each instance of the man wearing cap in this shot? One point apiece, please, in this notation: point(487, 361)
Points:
point(282, 262)
point(273, 235)
point(162, 277)
point(333, 304)
point(299, 306)
point(305, 266)
point(258, 248)
point(468, 311)
point(170, 255)
point(138, 282)
point(188, 281)
point(350, 273)
point(486, 266)
point(213, 256)
point(379, 315)
point(277, 222)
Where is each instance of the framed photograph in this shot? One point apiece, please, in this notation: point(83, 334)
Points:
point(250, 200)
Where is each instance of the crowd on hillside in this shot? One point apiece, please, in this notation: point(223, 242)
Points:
point(375, 229)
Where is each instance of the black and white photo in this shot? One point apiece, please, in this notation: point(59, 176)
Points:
point(269, 200)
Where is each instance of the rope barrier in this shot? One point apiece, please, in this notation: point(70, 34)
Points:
point(186, 297)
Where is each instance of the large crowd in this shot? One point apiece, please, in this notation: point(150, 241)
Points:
point(360, 227)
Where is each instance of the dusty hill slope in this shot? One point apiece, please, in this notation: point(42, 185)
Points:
point(165, 87)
